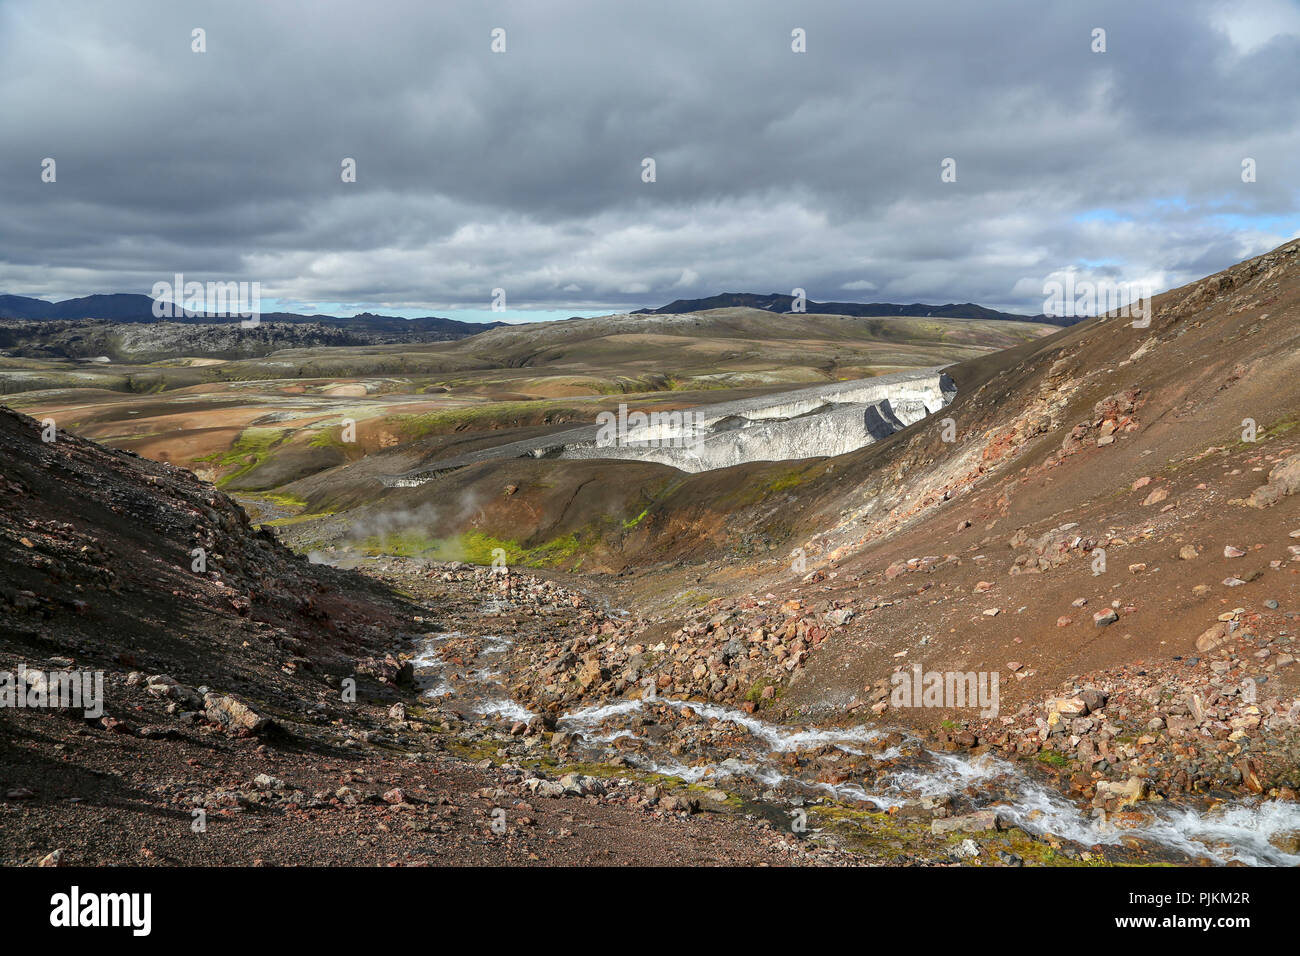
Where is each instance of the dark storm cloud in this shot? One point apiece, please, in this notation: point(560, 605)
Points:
point(522, 170)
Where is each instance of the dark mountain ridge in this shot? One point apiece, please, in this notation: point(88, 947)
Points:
point(779, 302)
point(130, 307)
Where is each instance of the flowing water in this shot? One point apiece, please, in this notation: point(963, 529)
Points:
point(713, 744)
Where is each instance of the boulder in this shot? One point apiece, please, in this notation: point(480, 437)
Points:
point(1070, 707)
point(1283, 480)
point(1215, 636)
point(388, 670)
point(163, 685)
point(976, 822)
point(1128, 793)
point(581, 784)
point(543, 788)
point(1093, 699)
point(680, 803)
point(1288, 841)
point(234, 716)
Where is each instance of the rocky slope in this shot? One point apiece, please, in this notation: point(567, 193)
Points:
point(1113, 528)
point(1109, 524)
point(252, 708)
point(1106, 517)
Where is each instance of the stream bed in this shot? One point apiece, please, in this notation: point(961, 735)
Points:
point(783, 767)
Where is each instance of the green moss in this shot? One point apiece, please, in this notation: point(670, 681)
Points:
point(883, 837)
point(406, 544)
point(632, 523)
point(889, 838)
point(880, 837)
point(296, 519)
point(475, 547)
point(731, 801)
point(480, 548)
point(755, 693)
point(694, 598)
point(791, 479)
point(328, 438)
point(251, 448)
point(1269, 432)
point(476, 750)
point(759, 487)
point(284, 501)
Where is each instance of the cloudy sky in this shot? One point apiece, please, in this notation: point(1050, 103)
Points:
point(523, 170)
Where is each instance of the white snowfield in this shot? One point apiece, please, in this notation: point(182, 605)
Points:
point(818, 421)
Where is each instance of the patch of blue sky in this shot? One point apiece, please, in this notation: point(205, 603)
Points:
point(1279, 225)
point(1102, 215)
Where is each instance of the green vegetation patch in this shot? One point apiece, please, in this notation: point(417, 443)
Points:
point(475, 547)
point(791, 479)
point(758, 487)
point(251, 448)
point(328, 438)
point(633, 522)
point(296, 519)
point(755, 693)
point(283, 500)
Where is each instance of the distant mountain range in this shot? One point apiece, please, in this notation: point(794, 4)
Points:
point(122, 328)
point(129, 307)
point(777, 302)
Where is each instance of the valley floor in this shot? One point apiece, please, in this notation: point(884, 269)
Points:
point(438, 764)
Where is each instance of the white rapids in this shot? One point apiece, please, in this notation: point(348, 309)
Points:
point(487, 698)
point(1234, 832)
